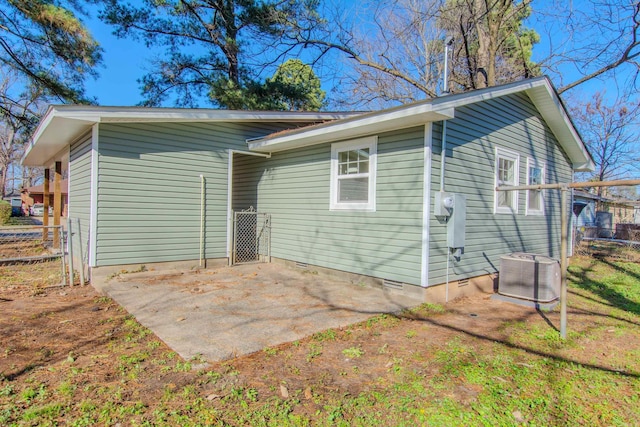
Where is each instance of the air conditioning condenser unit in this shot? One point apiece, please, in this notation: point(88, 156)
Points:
point(529, 276)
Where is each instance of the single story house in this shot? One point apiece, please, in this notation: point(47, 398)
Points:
point(404, 197)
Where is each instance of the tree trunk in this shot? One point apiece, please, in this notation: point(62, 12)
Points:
point(3, 181)
point(230, 46)
point(483, 65)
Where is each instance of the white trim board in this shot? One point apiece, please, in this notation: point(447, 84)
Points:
point(426, 203)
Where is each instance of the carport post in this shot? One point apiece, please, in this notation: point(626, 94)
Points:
point(57, 200)
point(45, 201)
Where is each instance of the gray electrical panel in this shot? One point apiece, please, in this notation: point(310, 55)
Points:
point(457, 222)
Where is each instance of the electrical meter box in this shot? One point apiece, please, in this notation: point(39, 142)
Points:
point(443, 204)
point(456, 225)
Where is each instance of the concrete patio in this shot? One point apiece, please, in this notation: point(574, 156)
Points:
point(226, 312)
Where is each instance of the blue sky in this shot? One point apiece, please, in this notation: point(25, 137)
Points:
point(126, 61)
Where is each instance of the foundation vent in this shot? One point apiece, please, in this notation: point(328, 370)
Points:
point(392, 284)
point(463, 282)
point(302, 265)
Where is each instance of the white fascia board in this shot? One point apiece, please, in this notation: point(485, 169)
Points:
point(362, 125)
point(554, 113)
point(146, 114)
point(63, 123)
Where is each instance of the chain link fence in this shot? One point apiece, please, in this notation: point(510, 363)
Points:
point(31, 243)
point(28, 248)
point(587, 243)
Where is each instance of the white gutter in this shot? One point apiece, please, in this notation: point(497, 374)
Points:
point(443, 154)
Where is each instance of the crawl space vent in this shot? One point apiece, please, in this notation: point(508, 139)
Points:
point(392, 284)
point(302, 265)
point(463, 282)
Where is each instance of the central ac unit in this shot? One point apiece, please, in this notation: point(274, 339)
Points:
point(529, 276)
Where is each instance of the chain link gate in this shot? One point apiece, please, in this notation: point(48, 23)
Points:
point(251, 236)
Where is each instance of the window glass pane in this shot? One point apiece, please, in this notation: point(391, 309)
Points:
point(363, 154)
point(506, 176)
point(505, 171)
point(535, 199)
point(535, 176)
point(505, 199)
point(353, 190)
point(353, 162)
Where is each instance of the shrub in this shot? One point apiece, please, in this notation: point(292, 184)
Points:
point(5, 212)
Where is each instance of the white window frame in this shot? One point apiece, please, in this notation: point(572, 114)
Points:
point(370, 206)
point(502, 153)
point(532, 163)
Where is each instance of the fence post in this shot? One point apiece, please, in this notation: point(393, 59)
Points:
point(60, 238)
point(82, 282)
point(70, 248)
point(563, 262)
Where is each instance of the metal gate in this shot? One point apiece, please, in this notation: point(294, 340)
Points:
point(251, 237)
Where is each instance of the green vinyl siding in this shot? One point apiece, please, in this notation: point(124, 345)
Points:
point(294, 188)
point(511, 123)
point(149, 189)
point(245, 181)
point(80, 169)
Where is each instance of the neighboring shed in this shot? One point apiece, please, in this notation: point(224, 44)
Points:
point(584, 208)
point(354, 194)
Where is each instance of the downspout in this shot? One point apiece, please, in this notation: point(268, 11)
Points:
point(202, 201)
point(443, 154)
point(443, 165)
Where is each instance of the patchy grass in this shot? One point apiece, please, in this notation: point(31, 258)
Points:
point(72, 357)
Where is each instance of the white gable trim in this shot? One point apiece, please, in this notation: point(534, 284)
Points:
point(539, 90)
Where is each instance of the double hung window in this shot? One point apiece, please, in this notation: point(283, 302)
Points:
point(506, 174)
point(535, 198)
point(353, 175)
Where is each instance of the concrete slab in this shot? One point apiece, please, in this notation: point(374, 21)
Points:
point(231, 311)
point(544, 306)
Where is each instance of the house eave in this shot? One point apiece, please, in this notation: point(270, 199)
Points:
point(62, 124)
point(540, 91)
point(354, 127)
